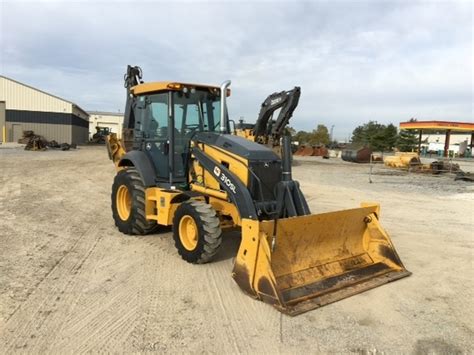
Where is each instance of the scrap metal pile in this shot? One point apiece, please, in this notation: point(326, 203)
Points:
point(309, 151)
point(36, 142)
point(411, 162)
point(464, 176)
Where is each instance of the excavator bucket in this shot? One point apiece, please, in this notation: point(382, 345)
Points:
point(306, 262)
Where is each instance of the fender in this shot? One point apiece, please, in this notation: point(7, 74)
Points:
point(142, 163)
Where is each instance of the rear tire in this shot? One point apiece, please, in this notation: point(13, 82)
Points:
point(129, 205)
point(196, 231)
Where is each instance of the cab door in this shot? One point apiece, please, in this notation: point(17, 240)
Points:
point(153, 123)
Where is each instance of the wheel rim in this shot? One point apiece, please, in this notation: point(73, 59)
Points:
point(123, 202)
point(188, 232)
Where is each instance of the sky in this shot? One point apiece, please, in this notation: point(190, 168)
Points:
point(386, 61)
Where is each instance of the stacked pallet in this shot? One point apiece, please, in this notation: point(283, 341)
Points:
point(33, 141)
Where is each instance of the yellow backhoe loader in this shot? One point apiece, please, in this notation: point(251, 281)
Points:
point(178, 165)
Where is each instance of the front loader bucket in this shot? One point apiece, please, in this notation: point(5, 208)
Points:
point(316, 259)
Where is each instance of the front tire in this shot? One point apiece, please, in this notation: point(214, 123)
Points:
point(129, 204)
point(196, 231)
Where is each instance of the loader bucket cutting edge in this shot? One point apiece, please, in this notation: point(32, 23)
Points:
point(317, 259)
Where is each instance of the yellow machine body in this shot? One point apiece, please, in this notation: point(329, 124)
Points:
point(246, 133)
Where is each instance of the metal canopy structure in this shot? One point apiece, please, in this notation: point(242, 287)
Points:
point(445, 126)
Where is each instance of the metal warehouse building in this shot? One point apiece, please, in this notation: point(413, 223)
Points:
point(24, 108)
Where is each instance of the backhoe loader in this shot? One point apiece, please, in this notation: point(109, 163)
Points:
point(178, 165)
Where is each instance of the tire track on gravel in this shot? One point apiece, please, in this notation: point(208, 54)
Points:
point(51, 270)
point(222, 309)
point(254, 325)
point(42, 302)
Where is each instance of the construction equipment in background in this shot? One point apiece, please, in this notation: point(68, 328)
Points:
point(361, 155)
point(99, 137)
point(266, 130)
point(186, 170)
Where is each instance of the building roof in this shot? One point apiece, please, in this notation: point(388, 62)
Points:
point(439, 125)
point(46, 93)
point(105, 113)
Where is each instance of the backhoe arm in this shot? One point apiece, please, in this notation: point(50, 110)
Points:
point(266, 129)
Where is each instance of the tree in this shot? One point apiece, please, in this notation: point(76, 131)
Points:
point(391, 136)
point(320, 135)
point(301, 137)
point(290, 131)
point(375, 136)
point(377, 140)
point(408, 139)
point(369, 134)
point(358, 136)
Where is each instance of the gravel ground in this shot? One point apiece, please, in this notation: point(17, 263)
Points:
point(70, 282)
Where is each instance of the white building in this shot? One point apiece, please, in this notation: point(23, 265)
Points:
point(455, 138)
point(458, 142)
point(112, 120)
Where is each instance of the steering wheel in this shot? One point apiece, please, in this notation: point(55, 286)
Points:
point(190, 129)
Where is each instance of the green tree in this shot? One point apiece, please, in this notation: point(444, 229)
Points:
point(407, 140)
point(364, 135)
point(359, 136)
point(320, 135)
point(377, 140)
point(376, 136)
point(290, 131)
point(391, 136)
point(301, 137)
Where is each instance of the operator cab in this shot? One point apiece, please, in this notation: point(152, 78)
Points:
point(165, 117)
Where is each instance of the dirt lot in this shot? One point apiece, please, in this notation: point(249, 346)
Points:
point(70, 282)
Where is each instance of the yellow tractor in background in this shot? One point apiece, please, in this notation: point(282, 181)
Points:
point(179, 165)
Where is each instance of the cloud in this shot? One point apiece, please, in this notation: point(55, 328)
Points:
point(354, 61)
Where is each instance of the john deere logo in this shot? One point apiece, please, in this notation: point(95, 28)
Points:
point(217, 171)
point(275, 101)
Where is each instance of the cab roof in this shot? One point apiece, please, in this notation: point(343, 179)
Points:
point(170, 85)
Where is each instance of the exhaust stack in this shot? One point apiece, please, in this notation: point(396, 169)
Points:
point(224, 124)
